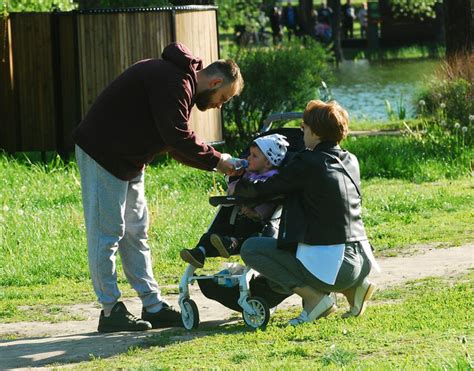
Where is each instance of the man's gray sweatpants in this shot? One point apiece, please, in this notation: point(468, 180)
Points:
point(116, 219)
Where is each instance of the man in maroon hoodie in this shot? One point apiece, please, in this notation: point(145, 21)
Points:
point(143, 112)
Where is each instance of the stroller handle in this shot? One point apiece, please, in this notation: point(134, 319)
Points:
point(236, 200)
point(279, 116)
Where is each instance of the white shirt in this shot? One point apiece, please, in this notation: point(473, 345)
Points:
point(324, 261)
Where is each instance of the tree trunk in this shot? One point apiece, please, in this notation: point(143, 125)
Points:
point(336, 29)
point(305, 12)
point(458, 26)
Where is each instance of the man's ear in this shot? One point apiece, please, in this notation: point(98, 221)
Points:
point(216, 82)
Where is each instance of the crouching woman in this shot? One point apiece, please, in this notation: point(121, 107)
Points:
point(322, 246)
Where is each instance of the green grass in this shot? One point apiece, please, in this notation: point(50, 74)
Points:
point(404, 158)
point(43, 253)
point(428, 326)
point(363, 125)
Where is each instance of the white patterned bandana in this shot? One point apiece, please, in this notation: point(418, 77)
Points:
point(273, 147)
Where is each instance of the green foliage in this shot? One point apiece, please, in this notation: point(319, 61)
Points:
point(419, 9)
point(65, 5)
point(38, 5)
point(276, 79)
point(401, 109)
point(448, 104)
point(411, 157)
point(239, 12)
point(133, 3)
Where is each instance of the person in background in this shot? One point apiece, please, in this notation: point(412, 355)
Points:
point(145, 111)
point(325, 13)
point(275, 23)
point(348, 17)
point(290, 19)
point(362, 16)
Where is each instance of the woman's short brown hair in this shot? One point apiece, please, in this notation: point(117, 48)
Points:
point(329, 121)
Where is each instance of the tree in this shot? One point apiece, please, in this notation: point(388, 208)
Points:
point(336, 29)
point(458, 23)
point(305, 12)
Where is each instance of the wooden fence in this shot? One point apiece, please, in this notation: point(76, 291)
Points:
point(53, 66)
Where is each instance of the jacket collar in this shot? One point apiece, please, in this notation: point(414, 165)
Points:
point(323, 146)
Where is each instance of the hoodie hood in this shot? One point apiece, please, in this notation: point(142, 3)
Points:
point(181, 56)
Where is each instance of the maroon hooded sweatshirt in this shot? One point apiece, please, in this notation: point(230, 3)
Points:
point(143, 112)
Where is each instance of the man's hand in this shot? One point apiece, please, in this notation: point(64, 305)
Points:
point(226, 165)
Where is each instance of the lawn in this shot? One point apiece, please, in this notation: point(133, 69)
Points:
point(426, 324)
point(43, 254)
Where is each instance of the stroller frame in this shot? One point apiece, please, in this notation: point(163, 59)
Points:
point(255, 310)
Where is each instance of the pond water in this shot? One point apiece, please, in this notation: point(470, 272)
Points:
point(362, 86)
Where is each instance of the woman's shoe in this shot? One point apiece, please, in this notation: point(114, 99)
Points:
point(362, 294)
point(323, 309)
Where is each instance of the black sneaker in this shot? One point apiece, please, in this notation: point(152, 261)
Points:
point(166, 317)
point(195, 257)
point(223, 244)
point(121, 319)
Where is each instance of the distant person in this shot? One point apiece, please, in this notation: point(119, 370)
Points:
point(362, 16)
point(348, 17)
point(143, 112)
point(275, 24)
point(325, 13)
point(321, 31)
point(290, 20)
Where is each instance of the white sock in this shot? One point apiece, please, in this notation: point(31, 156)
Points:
point(155, 308)
point(107, 311)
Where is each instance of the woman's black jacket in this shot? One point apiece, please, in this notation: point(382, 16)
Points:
point(322, 205)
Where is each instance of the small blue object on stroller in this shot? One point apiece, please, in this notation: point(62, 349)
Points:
point(238, 287)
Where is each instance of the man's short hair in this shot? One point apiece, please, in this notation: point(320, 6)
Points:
point(229, 71)
point(329, 121)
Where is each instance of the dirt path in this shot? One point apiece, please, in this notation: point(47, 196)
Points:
point(37, 344)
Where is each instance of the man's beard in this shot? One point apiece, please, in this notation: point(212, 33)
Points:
point(203, 98)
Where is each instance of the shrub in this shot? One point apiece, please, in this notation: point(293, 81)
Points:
point(276, 79)
point(448, 100)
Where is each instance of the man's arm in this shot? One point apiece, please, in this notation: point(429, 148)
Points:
point(170, 108)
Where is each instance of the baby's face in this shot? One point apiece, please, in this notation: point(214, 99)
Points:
point(257, 161)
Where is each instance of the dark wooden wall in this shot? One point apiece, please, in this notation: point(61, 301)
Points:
point(56, 64)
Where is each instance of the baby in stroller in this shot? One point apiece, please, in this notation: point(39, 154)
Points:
point(224, 239)
point(240, 288)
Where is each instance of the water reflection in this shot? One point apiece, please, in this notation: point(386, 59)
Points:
point(362, 86)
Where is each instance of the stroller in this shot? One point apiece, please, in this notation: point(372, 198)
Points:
point(240, 288)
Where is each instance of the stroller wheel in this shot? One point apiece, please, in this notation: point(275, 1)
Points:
point(189, 314)
point(262, 316)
